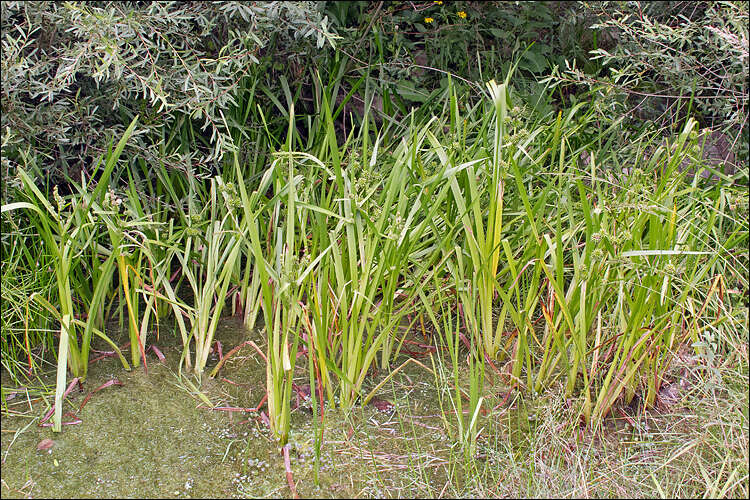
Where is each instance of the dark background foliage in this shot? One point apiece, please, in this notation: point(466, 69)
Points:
point(74, 74)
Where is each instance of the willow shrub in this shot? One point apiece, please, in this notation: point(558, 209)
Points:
point(75, 72)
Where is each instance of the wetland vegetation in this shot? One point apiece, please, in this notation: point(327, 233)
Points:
point(348, 249)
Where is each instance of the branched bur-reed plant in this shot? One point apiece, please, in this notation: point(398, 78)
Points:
point(496, 265)
point(620, 275)
point(450, 321)
point(627, 282)
point(207, 251)
point(145, 240)
point(130, 248)
point(340, 253)
point(64, 228)
point(25, 325)
point(483, 225)
point(381, 240)
point(148, 203)
point(283, 264)
point(189, 229)
point(131, 258)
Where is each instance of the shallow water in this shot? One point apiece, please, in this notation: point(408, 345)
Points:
point(151, 437)
point(154, 437)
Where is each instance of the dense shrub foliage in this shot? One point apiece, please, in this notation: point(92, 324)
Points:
point(674, 59)
point(74, 73)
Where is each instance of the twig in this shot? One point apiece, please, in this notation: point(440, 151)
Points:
point(288, 467)
point(106, 384)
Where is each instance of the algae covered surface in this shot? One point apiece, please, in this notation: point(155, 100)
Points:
point(142, 439)
point(156, 436)
point(153, 436)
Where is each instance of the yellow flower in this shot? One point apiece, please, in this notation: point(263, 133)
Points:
point(438, 2)
point(461, 14)
point(428, 20)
